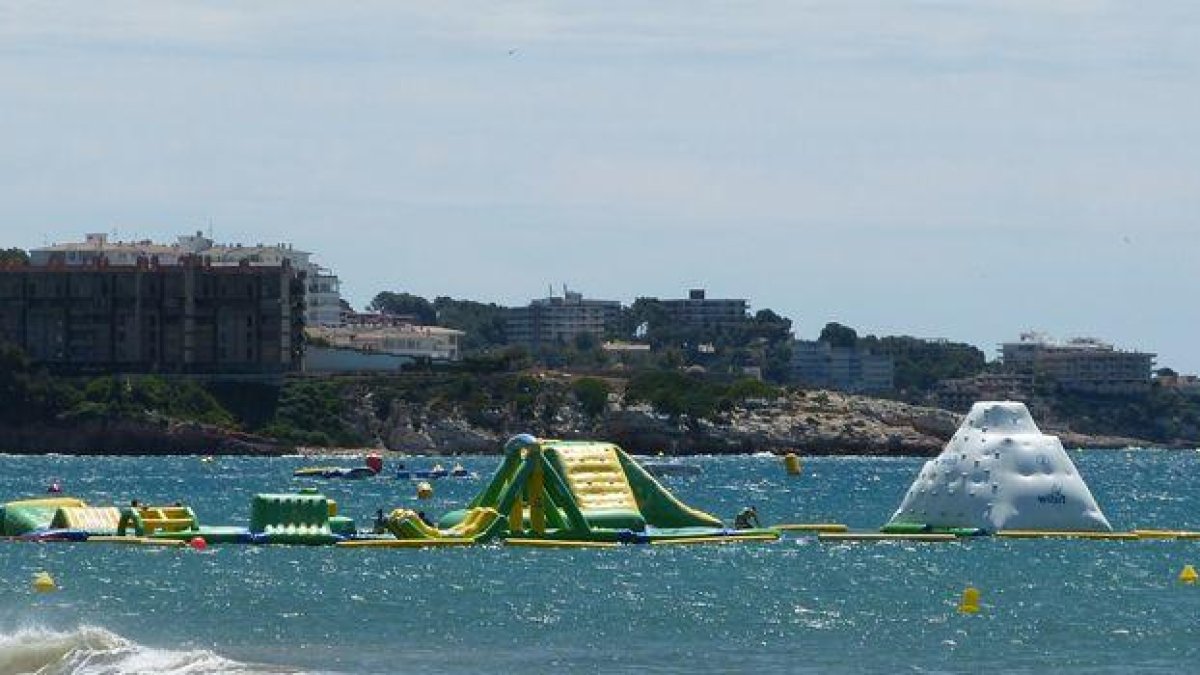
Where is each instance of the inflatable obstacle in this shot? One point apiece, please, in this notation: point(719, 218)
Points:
point(374, 465)
point(100, 520)
point(306, 518)
point(577, 491)
point(998, 472)
point(26, 516)
point(174, 523)
point(147, 521)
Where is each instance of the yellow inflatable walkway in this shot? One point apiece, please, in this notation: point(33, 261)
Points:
point(596, 478)
point(96, 519)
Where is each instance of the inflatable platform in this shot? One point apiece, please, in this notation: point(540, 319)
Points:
point(581, 491)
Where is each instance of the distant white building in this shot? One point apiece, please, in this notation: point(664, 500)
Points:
point(1082, 364)
point(323, 291)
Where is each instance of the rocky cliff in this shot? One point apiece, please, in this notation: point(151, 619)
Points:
point(811, 423)
point(475, 415)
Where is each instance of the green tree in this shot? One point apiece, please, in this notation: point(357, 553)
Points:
point(838, 335)
point(484, 324)
point(404, 304)
point(14, 255)
point(592, 395)
point(921, 364)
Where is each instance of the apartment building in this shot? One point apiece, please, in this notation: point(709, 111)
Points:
point(960, 393)
point(699, 311)
point(1084, 365)
point(850, 369)
point(190, 317)
point(323, 305)
point(557, 320)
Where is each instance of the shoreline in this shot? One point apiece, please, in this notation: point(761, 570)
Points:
point(350, 453)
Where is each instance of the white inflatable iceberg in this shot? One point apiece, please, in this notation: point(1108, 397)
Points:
point(1000, 472)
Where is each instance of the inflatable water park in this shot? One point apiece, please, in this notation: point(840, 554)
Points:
point(546, 492)
point(999, 475)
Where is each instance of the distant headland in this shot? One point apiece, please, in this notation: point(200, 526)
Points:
point(194, 346)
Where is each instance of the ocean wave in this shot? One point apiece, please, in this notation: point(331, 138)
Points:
point(90, 650)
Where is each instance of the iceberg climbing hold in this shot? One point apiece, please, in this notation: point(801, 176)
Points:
point(1013, 478)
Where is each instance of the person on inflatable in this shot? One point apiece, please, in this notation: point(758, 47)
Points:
point(746, 519)
point(380, 522)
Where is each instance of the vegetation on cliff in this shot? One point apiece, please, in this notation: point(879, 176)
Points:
point(490, 396)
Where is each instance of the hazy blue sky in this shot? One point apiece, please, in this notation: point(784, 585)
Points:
point(942, 169)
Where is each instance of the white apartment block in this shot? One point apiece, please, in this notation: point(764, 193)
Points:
point(1084, 365)
point(323, 291)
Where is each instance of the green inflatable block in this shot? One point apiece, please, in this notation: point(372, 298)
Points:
point(292, 519)
point(19, 520)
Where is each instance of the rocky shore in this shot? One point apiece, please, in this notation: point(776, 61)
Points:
point(810, 423)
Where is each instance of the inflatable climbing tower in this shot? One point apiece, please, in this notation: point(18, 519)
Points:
point(1000, 472)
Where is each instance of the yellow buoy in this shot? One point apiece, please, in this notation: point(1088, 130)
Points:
point(44, 583)
point(792, 463)
point(1188, 575)
point(969, 604)
point(424, 490)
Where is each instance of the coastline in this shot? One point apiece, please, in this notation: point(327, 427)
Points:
point(812, 423)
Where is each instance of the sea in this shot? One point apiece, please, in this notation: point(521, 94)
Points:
point(794, 606)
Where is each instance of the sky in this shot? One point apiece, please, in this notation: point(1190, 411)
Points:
point(960, 170)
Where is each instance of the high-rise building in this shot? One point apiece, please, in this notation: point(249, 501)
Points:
point(189, 317)
point(322, 288)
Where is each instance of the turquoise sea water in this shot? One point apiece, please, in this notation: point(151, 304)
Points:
point(793, 606)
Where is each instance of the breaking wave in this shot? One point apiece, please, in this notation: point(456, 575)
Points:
point(89, 650)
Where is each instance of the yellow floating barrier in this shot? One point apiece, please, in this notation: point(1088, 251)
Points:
point(405, 543)
point(560, 543)
point(1166, 534)
point(134, 541)
point(884, 536)
point(1063, 534)
point(811, 527)
point(719, 539)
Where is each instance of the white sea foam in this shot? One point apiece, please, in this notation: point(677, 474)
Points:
point(89, 650)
